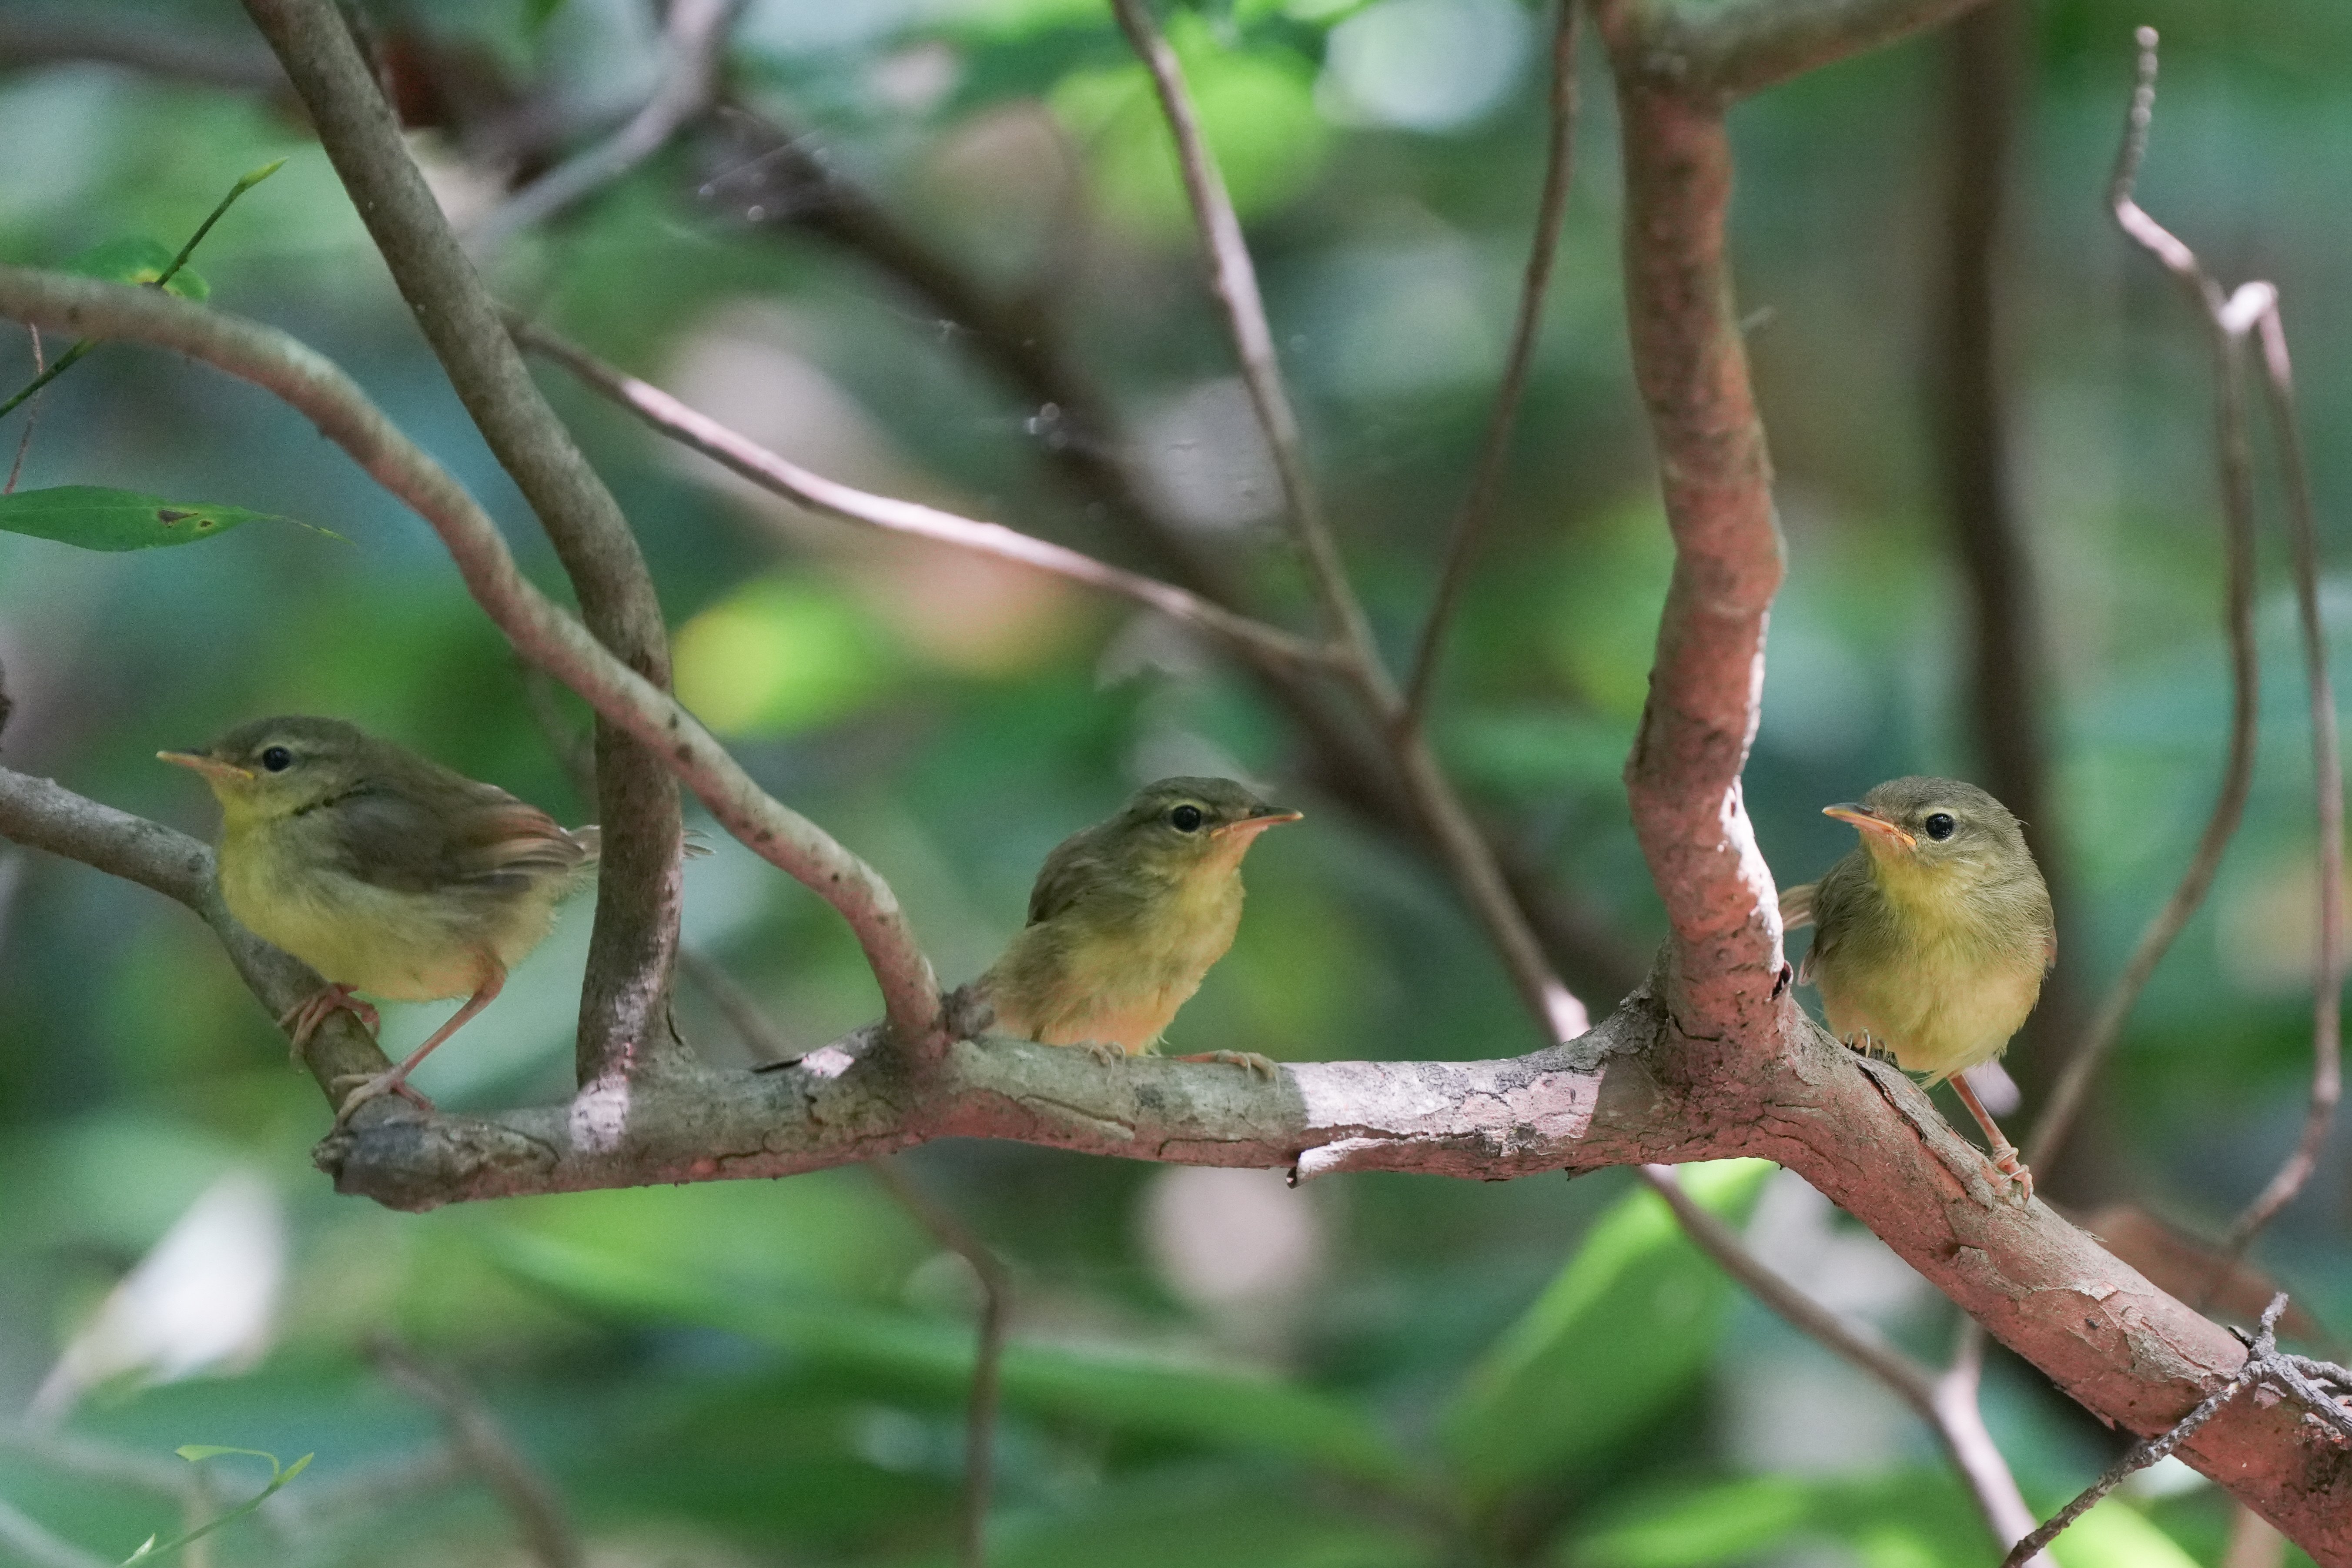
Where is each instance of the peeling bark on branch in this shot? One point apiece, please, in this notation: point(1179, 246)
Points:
point(1682, 778)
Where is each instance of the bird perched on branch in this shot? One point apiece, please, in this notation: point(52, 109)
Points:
point(384, 872)
point(1127, 917)
point(1932, 936)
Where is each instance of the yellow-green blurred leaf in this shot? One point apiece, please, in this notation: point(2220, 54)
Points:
point(1621, 1333)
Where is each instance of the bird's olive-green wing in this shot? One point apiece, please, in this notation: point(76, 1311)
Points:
point(1835, 903)
point(419, 827)
point(1074, 865)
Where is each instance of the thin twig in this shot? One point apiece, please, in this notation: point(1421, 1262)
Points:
point(781, 476)
point(995, 1302)
point(519, 1484)
point(2327, 771)
point(1486, 476)
point(1960, 1425)
point(1949, 1411)
point(32, 418)
point(2228, 335)
point(1234, 278)
point(694, 40)
point(2305, 1379)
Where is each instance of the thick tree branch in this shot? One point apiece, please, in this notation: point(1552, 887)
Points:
point(781, 476)
point(1683, 777)
point(624, 1006)
point(541, 632)
point(694, 39)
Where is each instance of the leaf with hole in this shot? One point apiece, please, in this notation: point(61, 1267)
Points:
point(98, 519)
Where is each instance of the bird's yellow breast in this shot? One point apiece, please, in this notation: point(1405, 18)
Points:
point(1944, 990)
point(280, 880)
point(1084, 976)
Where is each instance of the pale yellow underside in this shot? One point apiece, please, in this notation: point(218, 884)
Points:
point(402, 947)
point(1956, 1004)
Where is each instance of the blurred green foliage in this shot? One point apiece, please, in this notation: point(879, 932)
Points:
point(1208, 1370)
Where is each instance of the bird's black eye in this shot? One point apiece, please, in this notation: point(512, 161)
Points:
point(1185, 819)
point(277, 759)
point(1939, 826)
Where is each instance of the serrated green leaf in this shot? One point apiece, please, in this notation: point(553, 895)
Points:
point(930, 1358)
point(1622, 1332)
point(139, 260)
point(98, 519)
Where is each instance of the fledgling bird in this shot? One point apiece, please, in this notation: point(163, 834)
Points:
point(386, 873)
point(1932, 937)
point(1126, 918)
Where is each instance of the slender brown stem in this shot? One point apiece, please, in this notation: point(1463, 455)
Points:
point(32, 418)
point(624, 1004)
point(2327, 772)
point(519, 1484)
point(1486, 473)
point(987, 1357)
point(2236, 463)
point(1948, 1407)
point(781, 476)
point(1234, 278)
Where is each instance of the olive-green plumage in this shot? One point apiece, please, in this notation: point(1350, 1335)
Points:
point(1126, 916)
point(1932, 937)
point(386, 873)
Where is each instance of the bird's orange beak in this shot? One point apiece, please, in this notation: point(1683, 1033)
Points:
point(1869, 821)
point(211, 767)
point(1249, 828)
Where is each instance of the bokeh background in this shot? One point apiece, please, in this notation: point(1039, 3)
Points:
point(1208, 1369)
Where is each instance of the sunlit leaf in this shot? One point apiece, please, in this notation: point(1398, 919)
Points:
point(1621, 1334)
point(140, 260)
point(777, 657)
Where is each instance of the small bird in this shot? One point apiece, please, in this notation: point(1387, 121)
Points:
point(1932, 936)
point(384, 872)
point(1126, 918)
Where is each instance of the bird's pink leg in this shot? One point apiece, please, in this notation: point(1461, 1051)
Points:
point(1249, 1062)
point(302, 1020)
point(2004, 1153)
point(396, 1081)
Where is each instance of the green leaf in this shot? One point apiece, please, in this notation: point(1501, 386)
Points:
point(1620, 1334)
point(139, 260)
point(98, 519)
point(913, 1355)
